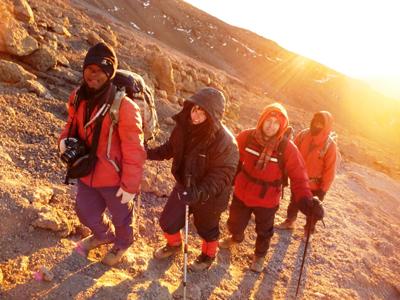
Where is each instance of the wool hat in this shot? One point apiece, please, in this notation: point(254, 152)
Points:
point(104, 56)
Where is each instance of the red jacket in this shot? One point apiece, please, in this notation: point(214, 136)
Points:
point(321, 169)
point(126, 146)
point(249, 191)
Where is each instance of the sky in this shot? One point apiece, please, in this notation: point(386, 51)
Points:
point(360, 38)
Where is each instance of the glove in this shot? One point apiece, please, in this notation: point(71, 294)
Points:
point(126, 197)
point(190, 195)
point(63, 144)
point(320, 194)
point(312, 207)
point(317, 209)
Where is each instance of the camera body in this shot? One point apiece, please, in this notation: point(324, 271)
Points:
point(75, 148)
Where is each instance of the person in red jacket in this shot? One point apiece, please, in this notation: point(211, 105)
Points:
point(108, 164)
point(258, 183)
point(319, 151)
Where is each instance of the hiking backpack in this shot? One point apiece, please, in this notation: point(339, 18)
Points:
point(132, 85)
point(332, 138)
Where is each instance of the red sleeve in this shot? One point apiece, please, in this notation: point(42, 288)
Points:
point(297, 172)
point(133, 153)
point(329, 168)
point(71, 112)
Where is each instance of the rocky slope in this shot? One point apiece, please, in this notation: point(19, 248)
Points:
point(42, 45)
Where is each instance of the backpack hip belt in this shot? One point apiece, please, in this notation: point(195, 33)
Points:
point(264, 184)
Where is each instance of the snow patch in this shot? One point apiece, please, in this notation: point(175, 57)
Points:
point(114, 9)
point(134, 25)
point(326, 79)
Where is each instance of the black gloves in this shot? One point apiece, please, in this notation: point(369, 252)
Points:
point(320, 194)
point(312, 208)
point(190, 195)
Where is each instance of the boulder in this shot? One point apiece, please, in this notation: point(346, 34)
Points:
point(53, 219)
point(162, 68)
point(23, 12)
point(42, 59)
point(93, 38)
point(14, 39)
point(11, 72)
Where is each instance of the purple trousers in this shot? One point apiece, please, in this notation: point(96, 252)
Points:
point(91, 204)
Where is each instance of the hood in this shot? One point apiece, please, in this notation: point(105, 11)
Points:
point(328, 123)
point(212, 101)
point(282, 115)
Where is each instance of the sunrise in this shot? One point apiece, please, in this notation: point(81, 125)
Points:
point(213, 149)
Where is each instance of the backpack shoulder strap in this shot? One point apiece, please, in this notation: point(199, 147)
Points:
point(281, 162)
point(330, 139)
point(114, 109)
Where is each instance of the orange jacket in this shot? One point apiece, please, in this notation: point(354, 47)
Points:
point(126, 150)
point(321, 169)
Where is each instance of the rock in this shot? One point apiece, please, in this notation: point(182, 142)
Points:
point(109, 37)
point(173, 99)
point(1, 277)
point(42, 195)
point(60, 29)
point(93, 38)
point(162, 68)
point(188, 85)
point(53, 219)
point(42, 59)
point(11, 72)
point(14, 39)
point(22, 263)
point(4, 155)
point(161, 94)
point(23, 11)
point(47, 275)
point(37, 88)
point(62, 60)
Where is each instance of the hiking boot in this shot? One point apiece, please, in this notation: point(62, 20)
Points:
point(286, 225)
point(167, 251)
point(202, 262)
point(227, 242)
point(88, 243)
point(258, 264)
point(114, 256)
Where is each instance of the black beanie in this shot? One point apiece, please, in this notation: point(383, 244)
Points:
point(103, 56)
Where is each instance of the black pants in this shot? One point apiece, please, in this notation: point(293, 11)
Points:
point(292, 211)
point(239, 216)
point(206, 219)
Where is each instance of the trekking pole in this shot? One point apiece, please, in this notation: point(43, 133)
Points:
point(305, 249)
point(185, 248)
point(138, 206)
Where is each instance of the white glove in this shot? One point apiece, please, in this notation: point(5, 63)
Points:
point(63, 144)
point(126, 197)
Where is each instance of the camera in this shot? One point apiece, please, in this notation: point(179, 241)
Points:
point(75, 149)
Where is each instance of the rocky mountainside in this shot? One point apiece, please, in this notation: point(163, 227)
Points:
point(179, 49)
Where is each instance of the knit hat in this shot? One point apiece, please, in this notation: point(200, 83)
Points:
point(103, 56)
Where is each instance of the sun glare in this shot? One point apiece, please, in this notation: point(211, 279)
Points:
point(357, 38)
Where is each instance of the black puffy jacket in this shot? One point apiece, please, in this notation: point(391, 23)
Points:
point(211, 165)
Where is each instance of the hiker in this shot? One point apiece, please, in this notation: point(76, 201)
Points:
point(265, 155)
point(110, 173)
point(319, 151)
point(205, 151)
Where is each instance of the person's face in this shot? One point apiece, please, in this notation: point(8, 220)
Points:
point(94, 77)
point(197, 115)
point(271, 126)
point(317, 124)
